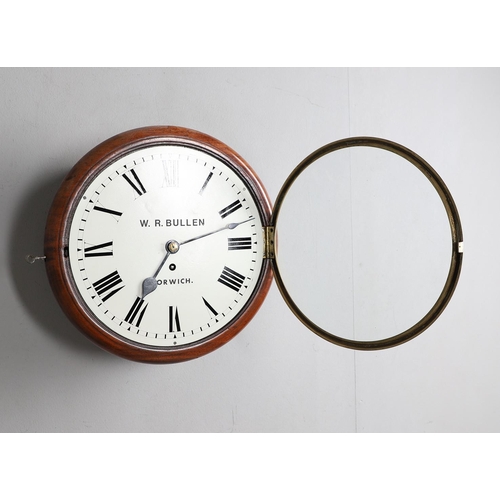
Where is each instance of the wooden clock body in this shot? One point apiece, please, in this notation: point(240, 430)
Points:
point(60, 219)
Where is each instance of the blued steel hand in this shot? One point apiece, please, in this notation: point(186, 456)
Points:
point(149, 284)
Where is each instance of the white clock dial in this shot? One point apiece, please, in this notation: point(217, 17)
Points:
point(128, 277)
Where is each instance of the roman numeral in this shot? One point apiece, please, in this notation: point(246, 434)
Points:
point(171, 173)
point(230, 209)
point(136, 313)
point(231, 279)
point(109, 283)
point(210, 307)
point(174, 325)
point(206, 182)
point(107, 211)
point(135, 183)
point(102, 250)
point(239, 243)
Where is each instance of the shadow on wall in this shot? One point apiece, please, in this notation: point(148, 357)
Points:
point(30, 280)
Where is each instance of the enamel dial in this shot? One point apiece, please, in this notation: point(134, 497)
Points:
point(162, 244)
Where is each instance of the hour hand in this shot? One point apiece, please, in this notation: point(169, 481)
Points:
point(149, 284)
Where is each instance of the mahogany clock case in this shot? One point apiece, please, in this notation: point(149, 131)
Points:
point(60, 216)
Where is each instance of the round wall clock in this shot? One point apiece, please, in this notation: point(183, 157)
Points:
point(160, 244)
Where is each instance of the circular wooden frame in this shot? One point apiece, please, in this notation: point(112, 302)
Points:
point(456, 234)
point(59, 223)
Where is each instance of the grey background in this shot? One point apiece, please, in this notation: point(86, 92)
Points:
point(275, 376)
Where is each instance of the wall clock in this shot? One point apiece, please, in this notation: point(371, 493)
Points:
point(160, 244)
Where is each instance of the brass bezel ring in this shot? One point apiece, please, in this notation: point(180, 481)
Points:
point(456, 234)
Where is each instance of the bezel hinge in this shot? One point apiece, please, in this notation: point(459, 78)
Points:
point(268, 242)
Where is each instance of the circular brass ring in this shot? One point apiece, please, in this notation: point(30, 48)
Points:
point(456, 235)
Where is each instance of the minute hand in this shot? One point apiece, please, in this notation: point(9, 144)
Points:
point(232, 225)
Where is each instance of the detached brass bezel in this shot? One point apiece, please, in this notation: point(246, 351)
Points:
point(456, 234)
